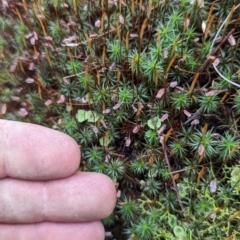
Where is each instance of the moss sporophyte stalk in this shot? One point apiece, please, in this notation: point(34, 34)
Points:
point(150, 90)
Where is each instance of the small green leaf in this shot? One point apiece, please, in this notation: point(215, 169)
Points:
point(179, 231)
point(89, 116)
point(68, 108)
point(154, 123)
point(235, 179)
point(104, 142)
point(235, 174)
point(172, 221)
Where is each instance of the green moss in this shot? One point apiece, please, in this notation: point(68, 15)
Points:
point(97, 70)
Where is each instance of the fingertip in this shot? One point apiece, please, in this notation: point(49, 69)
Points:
point(101, 194)
point(83, 197)
point(110, 196)
point(62, 231)
point(73, 153)
point(50, 230)
point(99, 230)
point(33, 152)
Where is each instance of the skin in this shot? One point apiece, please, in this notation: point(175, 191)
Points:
point(43, 196)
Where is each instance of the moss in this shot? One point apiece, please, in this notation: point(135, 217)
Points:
point(127, 63)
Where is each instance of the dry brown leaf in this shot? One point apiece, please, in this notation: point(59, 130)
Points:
point(186, 22)
point(200, 174)
point(151, 160)
point(236, 214)
point(176, 176)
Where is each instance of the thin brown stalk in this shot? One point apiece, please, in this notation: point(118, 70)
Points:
point(162, 141)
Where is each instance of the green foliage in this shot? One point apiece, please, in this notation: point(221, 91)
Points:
point(154, 123)
point(138, 167)
point(94, 155)
point(127, 209)
point(135, 84)
point(89, 116)
point(180, 100)
point(145, 229)
point(116, 50)
point(56, 31)
point(179, 232)
point(203, 206)
point(136, 61)
point(115, 169)
point(228, 147)
point(178, 148)
point(70, 125)
point(206, 140)
point(151, 68)
point(108, 221)
point(70, 90)
point(151, 187)
point(125, 94)
point(151, 137)
point(74, 67)
point(235, 179)
point(237, 102)
point(86, 81)
point(209, 104)
point(85, 136)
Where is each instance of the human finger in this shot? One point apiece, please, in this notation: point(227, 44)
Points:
point(34, 152)
point(81, 197)
point(50, 231)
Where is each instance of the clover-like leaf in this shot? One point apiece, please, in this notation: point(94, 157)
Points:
point(83, 115)
point(172, 221)
point(154, 123)
point(104, 141)
point(179, 231)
